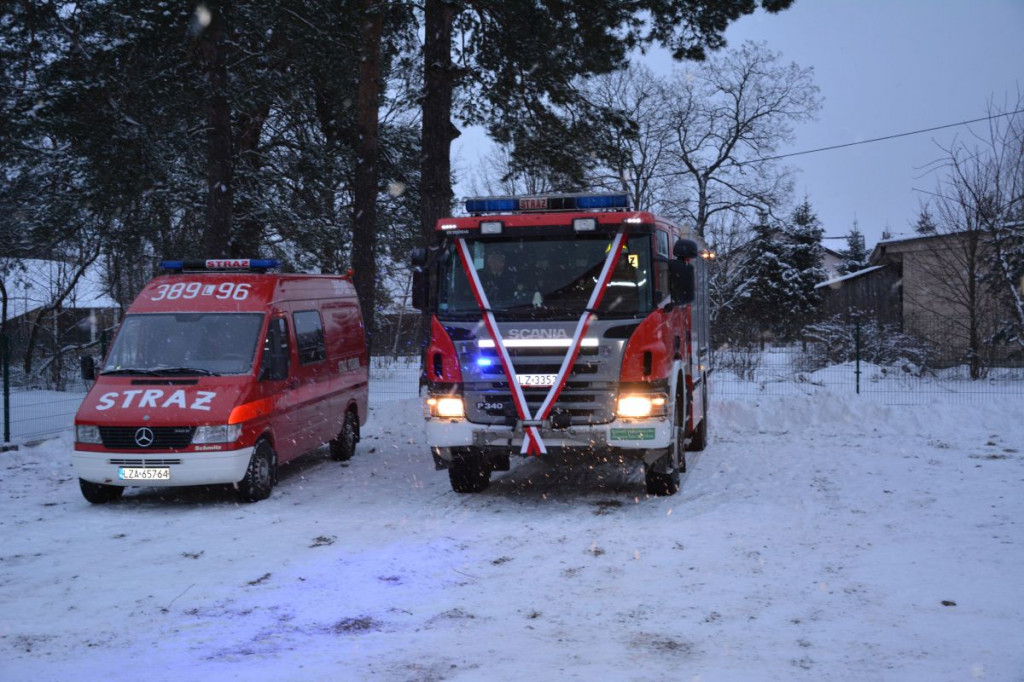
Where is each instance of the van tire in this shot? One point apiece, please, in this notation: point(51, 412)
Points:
point(259, 477)
point(469, 473)
point(98, 493)
point(344, 446)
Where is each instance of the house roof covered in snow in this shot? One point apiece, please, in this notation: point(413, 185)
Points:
point(34, 283)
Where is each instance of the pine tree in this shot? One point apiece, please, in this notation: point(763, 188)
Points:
point(855, 256)
point(925, 224)
point(804, 256)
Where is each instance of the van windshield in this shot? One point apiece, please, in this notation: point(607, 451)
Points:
point(179, 344)
point(547, 279)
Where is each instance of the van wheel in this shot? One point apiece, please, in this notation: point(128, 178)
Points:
point(98, 493)
point(469, 473)
point(259, 477)
point(344, 446)
point(662, 476)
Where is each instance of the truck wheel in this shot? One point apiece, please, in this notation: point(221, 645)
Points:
point(662, 476)
point(259, 477)
point(699, 438)
point(344, 446)
point(469, 474)
point(98, 493)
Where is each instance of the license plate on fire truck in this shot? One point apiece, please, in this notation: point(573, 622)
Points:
point(536, 379)
point(144, 474)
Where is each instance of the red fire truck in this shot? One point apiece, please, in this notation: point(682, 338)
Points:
point(564, 324)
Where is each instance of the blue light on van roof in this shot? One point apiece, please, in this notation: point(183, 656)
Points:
point(250, 264)
point(554, 202)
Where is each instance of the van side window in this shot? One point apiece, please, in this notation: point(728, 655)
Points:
point(309, 336)
point(276, 351)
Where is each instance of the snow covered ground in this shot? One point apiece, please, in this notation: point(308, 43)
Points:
point(819, 537)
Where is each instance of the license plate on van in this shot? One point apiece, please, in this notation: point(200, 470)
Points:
point(144, 474)
point(536, 379)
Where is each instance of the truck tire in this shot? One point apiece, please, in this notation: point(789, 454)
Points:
point(259, 477)
point(344, 446)
point(98, 493)
point(699, 437)
point(662, 476)
point(469, 473)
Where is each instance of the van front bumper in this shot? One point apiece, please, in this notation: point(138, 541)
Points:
point(186, 468)
point(621, 436)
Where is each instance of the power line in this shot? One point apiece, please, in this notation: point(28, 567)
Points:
point(891, 137)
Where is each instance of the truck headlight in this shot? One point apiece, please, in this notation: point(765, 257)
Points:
point(221, 433)
point(640, 406)
point(85, 433)
point(446, 407)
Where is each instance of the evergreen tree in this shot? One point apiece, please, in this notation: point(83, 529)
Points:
point(804, 257)
point(925, 224)
point(765, 285)
point(855, 255)
point(783, 265)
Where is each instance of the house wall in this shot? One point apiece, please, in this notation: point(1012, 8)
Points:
point(876, 293)
point(944, 304)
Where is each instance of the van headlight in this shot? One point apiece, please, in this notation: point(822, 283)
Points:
point(86, 433)
point(445, 407)
point(221, 433)
point(642, 405)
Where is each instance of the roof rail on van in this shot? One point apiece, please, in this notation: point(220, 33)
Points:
point(221, 264)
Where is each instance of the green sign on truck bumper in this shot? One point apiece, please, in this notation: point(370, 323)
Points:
point(632, 434)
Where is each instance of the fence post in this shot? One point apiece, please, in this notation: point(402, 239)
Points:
point(856, 346)
point(6, 353)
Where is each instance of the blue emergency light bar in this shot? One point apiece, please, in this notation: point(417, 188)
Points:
point(250, 264)
point(556, 202)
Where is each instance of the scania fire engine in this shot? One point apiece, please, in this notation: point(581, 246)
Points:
point(565, 324)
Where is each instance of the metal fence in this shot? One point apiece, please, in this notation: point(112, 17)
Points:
point(739, 374)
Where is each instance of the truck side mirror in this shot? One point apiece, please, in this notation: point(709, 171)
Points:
point(88, 365)
point(419, 289)
point(420, 279)
point(682, 282)
point(686, 249)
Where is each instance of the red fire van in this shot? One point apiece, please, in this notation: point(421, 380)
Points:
point(219, 373)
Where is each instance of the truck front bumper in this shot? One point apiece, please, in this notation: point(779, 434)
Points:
point(642, 438)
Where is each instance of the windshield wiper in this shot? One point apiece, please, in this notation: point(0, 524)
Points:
point(130, 370)
point(186, 370)
point(159, 371)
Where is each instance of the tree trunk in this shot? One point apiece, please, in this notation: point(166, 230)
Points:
point(364, 220)
point(438, 132)
point(217, 235)
point(248, 232)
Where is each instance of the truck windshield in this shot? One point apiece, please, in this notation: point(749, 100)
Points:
point(185, 343)
point(547, 279)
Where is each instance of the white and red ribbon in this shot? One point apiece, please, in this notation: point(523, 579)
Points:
point(533, 444)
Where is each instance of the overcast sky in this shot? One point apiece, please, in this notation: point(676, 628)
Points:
point(887, 67)
point(884, 67)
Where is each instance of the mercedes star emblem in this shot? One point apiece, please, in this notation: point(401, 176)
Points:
point(144, 437)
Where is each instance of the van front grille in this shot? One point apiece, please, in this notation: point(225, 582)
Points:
point(130, 438)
